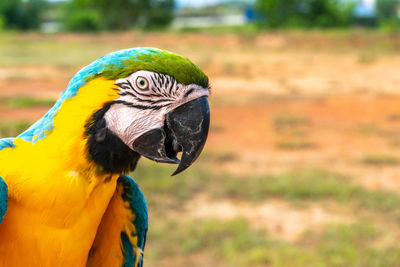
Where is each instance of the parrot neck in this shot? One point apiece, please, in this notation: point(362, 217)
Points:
point(70, 139)
point(58, 168)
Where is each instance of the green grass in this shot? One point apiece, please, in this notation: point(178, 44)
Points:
point(296, 186)
point(369, 129)
point(352, 245)
point(157, 181)
point(219, 156)
point(249, 29)
point(287, 121)
point(25, 102)
point(236, 243)
point(293, 132)
point(295, 144)
point(380, 160)
point(39, 49)
point(12, 128)
point(367, 57)
point(310, 185)
point(216, 128)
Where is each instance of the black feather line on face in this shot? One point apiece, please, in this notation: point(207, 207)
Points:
point(162, 79)
point(154, 101)
point(109, 152)
point(139, 106)
point(165, 83)
point(161, 84)
point(124, 93)
point(171, 84)
point(124, 86)
point(159, 80)
point(155, 84)
point(176, 89)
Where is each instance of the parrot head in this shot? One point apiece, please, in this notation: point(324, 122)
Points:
point(130, 103)
point(161, 110)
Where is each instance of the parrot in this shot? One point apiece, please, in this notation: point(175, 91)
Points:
point(65, 195)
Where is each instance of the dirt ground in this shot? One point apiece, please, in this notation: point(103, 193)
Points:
point(279, 102)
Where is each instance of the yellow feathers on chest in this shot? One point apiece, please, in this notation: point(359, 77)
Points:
point(56, 195)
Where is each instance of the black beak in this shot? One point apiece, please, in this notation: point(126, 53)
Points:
point(185, 130)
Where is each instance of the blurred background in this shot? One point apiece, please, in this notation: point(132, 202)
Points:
point(302, 165)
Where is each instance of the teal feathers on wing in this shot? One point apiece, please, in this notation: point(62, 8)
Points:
point(3, 199)
point(137, 203)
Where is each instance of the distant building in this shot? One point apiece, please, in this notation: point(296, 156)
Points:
point(211, 13)
point(209, 21)
point(365, 13)
point(52, 23)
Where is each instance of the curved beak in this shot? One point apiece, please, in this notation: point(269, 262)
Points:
point(185, 130)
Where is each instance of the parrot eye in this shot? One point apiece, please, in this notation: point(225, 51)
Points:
point(142, 83)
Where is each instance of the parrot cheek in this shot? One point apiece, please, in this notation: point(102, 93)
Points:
point(130, 123)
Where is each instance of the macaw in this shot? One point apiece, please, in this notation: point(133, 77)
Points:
point(65, 196)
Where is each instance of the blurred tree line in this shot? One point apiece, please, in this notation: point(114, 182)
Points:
point(87, 15)
point(322, 13)
point(20, 14)
point(93, 15)
point(97, 15)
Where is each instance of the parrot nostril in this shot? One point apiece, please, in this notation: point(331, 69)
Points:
point(189, 92)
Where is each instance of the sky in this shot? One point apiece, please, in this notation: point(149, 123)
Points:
point(364, 7)
point(368, 4)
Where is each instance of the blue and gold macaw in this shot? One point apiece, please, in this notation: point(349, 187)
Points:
point(65, 198)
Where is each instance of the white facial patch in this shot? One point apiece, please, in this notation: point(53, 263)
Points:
point(145, 99)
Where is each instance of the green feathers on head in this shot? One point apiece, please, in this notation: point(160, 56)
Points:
point(155, 60)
